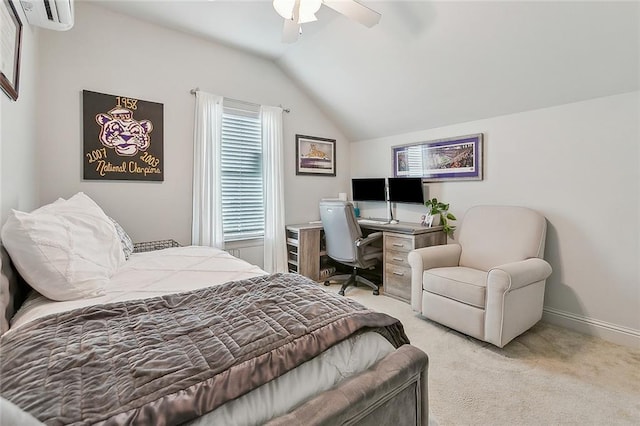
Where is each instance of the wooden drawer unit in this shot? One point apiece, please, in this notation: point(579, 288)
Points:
point(397, 272)
point(303, 250)
point(306, 254)
point(397, 282)
point(398, 242)
point(398, 258)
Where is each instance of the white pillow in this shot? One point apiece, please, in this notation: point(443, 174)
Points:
point(65, 250)
point(125, 239)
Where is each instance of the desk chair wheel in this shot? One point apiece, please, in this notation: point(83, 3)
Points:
point(376, 292)
point(341, 292)
point(327, 283)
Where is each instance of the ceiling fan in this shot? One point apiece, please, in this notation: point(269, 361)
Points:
point(297, 12)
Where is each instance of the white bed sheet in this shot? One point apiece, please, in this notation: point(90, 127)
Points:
point(279, 396)
point(151, 274)
point(179, 269)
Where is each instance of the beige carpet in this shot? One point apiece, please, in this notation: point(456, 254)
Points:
point(547, 376)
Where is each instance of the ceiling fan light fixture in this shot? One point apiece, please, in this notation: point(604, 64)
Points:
point(307, 12)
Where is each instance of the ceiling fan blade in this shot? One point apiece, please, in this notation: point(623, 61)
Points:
point(290, 31)
point(354, 10)
point(291, 28)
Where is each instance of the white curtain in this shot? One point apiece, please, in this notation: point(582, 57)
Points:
point(275, 248)
point(206, 227)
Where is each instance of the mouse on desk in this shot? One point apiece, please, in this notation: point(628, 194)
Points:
point(393, 222)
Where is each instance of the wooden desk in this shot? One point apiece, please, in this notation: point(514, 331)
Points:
point(307, 254)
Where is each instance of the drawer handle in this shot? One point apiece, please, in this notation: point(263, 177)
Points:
point(398, 273)
point(398, 245)
point(398, 259)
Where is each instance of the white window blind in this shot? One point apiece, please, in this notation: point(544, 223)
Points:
point(414, 161)
point(241, 174)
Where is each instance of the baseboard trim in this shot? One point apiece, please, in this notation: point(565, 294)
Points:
point(593, 327)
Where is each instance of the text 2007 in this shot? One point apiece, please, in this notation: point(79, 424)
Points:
point(96, 154)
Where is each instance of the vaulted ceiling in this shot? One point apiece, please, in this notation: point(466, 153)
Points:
point(429, 63)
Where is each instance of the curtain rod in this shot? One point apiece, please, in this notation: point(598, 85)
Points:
point(287, 110)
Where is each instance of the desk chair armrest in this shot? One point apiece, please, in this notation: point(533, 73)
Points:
point(512, 276)
point(368, 239)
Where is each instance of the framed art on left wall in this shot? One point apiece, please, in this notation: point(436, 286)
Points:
point(10, 43)
point(315, 156)
point(122, 138)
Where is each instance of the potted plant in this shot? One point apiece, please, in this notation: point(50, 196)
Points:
point(436, 208)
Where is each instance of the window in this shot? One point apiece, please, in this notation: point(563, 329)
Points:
point(241, 173)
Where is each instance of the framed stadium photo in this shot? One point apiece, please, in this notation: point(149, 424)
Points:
point(458, 158)
point(122, 138)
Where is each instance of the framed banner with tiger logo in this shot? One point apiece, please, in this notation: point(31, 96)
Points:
point(123, 138)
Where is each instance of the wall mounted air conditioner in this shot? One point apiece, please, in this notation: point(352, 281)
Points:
point(50, 14)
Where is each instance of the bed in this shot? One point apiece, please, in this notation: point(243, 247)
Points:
point(193, 335)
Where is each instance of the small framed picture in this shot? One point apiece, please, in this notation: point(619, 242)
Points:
point(10, 43)
point(315, 156)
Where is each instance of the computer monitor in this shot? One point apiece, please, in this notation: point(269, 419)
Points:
point(406, 190)
point(368, 189)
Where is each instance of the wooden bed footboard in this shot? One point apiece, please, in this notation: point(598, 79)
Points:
point(393, 392)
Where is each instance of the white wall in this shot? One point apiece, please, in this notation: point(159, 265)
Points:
point(115, 54)
point(579, 165)
point(18, 151)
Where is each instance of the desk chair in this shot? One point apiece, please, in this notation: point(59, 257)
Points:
point(346, 245)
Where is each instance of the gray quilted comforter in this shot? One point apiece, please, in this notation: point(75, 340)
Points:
point(167, 360)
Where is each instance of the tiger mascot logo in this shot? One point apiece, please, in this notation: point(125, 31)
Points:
point(124, 134)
